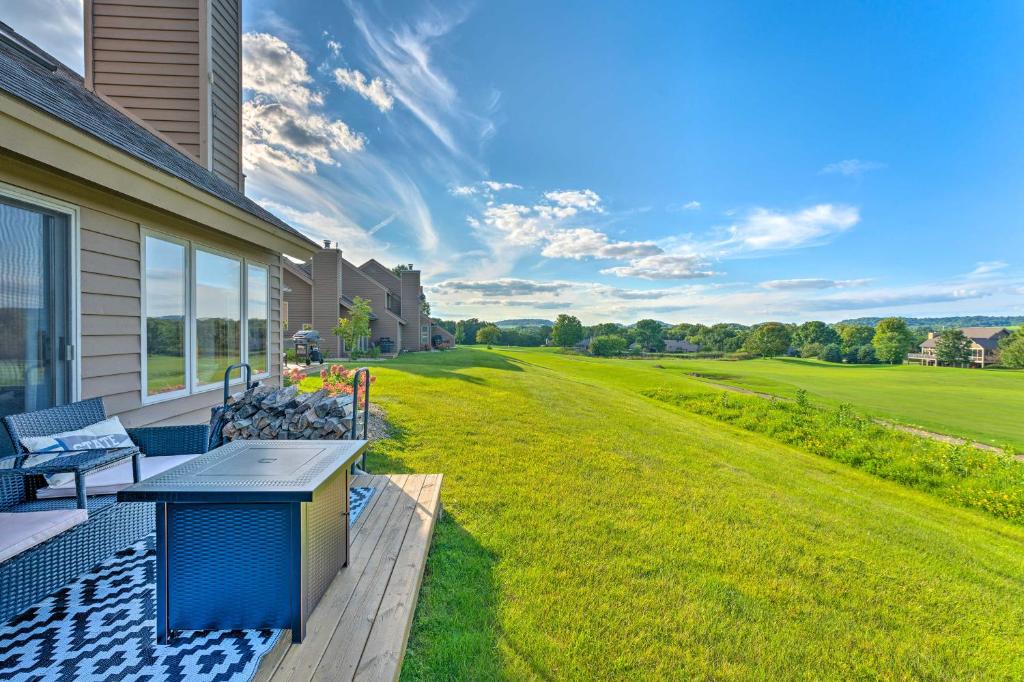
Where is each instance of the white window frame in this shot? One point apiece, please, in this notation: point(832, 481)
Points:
point(74, 281)
point(192, 385)
point(245, 308)
point(189, 322)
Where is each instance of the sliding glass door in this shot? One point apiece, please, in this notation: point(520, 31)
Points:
point(36, 344)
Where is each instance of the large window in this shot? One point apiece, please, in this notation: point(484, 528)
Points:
point(218, 315)
point(166, 310)
point(257, 288)
point(37, 336)
point(203, 311)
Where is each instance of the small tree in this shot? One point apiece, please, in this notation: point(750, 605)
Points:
point(865, 355)
point(488, 334)
point(854, 336)
point(1011, 350)
point(832, 353)
point(650, 335)
point(567, 332)
point(814, 332)
point(768, 340)
point(892, 340)
point(354, 327)
point(953, 348)
point(812, 350)
point(607, 345)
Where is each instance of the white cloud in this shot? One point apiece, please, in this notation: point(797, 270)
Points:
point(499, 186)
point(283, 124)
point(486, 188)
point(505, 286)
point(375, 91)
point(989, 267)
point(335, 47)
point(813, 283)
point(583, 242)
point(691, 206)
point(765, 229)
point(663, 266)
point(851, 167)
point(356, 243)
point(581, 200)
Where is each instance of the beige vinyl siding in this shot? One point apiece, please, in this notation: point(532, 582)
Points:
point(145, 56)
point(225, 37)
point(357, 283)
point(382, 275)
point(411, 339)
point(327, 278)
point(110, 307)
point(300, 302)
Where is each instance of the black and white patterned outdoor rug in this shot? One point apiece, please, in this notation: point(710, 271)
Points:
point(102, 626)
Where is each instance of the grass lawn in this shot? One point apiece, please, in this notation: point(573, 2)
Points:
point(984, 405)
point(593, 533)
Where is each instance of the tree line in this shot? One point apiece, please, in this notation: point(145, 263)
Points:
point(887, 341)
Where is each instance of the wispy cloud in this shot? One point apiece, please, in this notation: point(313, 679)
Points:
point(768, 230)
point(989, 267)
point(851, 167)
point(813, 283)
point(58, 29)
point(663, 267)
point(691, 206)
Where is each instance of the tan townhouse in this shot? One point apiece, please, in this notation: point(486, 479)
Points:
point(133, 266)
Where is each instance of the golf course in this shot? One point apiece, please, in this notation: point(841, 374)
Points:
point(595, 531)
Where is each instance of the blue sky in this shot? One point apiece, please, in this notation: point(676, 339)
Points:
point(702, 162)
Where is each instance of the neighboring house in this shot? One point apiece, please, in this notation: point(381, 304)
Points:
point(133, 266)
point(440, 337)
point(320, 291)
point(984, 346)
point(677, 346)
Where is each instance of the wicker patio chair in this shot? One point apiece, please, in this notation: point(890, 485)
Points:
point(36, 572)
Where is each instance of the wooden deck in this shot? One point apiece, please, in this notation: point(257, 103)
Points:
point(361, 626)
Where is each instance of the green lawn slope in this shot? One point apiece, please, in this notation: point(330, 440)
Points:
point(593, 533)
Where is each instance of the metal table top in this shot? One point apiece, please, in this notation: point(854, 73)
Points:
point(250, 471)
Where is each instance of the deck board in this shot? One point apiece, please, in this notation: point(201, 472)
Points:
point(361, 626)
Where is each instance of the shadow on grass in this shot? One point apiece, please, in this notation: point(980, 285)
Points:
point(447, 364)
point(455, 630)
point(828, 365)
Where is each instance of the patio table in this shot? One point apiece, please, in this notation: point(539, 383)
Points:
point(250, 534)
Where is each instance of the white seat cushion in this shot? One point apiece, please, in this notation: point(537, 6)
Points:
point(20, 531)
point(118, 477)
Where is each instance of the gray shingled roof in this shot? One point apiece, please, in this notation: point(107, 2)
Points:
point(61, 93)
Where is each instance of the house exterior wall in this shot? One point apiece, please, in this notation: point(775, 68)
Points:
point(300, 302)
point(225, 59)
point(175, 66)
point(110, 305)
point(327, 289)
point(383, 275)
point(410, 292)
point(357, 283)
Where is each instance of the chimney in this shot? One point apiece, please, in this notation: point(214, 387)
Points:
point(410, 293)
point(327, 271)
point(175, 66)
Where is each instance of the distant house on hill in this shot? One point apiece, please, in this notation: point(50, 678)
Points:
point(984, 346)
point(677, 346)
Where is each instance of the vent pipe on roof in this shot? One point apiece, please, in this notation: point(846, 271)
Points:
point(327, 243)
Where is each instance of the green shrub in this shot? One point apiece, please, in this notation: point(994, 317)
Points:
point(832, 353)
point(812, 350)
point(969, 477)
point(290, 356)
point(607, 346)
point(866, 355)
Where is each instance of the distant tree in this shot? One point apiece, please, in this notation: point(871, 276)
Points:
point(356, 326)
point(649, 334)
point(854, 336)
point(814, 331)
point(892, 340)
point(768, 340)
point(865, 355)
point(685, 332)
point(465, 330)
point(832, 353)
point(607, 345)
point(722, 337)
point(812, 350)
point(1011, 349)
point(400, 268)
point(449, 325)
point(489, 334)
point(607, 329)
point(953, 348)
point(425, 307)
point(567, 331)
